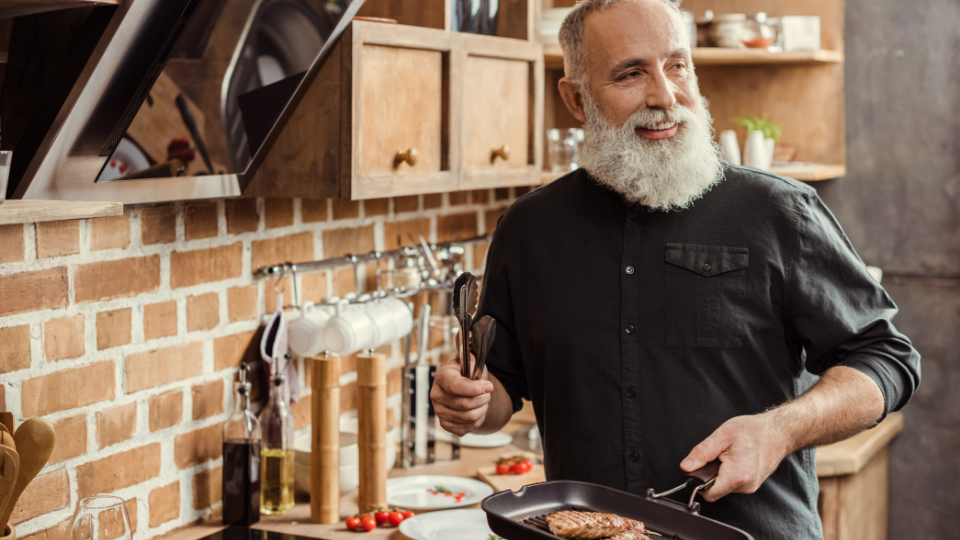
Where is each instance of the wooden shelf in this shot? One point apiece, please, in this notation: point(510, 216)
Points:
point(716, 56)
point(16, 8)
point(19, 211)
point(810, 172)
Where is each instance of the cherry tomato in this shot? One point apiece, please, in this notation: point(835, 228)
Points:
point(353, 523)
point(523, 467)
point(381, 517)
point(395, 518)
point(503, 468)
point(407, 514)
point(368, 523)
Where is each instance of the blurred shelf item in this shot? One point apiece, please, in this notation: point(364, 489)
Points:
point(809, 172)
point(19, 211)
point(718, 56)
point(16, 8)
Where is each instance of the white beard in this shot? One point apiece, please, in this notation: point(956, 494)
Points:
point(664, 174)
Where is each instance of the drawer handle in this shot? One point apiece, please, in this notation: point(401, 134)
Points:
point(503, 153)
point(408, 156)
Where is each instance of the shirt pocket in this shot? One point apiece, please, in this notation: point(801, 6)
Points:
point(704, 295)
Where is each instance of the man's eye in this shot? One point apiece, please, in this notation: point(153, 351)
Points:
point(630, 75)
point(680, 65)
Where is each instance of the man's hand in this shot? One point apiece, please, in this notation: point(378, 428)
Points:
point(843, 403)
point(461, 403)
point(750, 449)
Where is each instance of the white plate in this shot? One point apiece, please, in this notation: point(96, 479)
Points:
point(493, 440)
point(418, 492)
point(448, 525)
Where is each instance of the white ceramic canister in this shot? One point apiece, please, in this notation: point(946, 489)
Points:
point(770, 145)
point(755, 150)
point(730, 146)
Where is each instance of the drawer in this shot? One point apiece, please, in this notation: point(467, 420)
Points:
point(400, 111)
point(501, 124)
point(496, 113)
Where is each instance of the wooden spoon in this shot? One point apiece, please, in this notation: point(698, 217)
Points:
point(4, 429)
point(35, 439)
point(6, 418)
point(10, 463)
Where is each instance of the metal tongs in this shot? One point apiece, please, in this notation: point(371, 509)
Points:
point(477, 336)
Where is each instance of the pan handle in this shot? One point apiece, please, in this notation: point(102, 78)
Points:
point(701, 480)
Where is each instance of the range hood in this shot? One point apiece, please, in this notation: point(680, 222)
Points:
point(159, 100)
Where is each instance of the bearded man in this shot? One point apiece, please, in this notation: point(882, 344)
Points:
point(663, 309)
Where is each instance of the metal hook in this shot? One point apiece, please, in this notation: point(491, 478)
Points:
point(277, 282)
point(356, 274)
point(296, 294)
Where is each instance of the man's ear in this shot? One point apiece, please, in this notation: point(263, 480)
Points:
point(572, 98)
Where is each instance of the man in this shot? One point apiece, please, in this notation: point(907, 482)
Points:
point(662, 309)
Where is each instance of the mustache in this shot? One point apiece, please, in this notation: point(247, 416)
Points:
point(653, 119)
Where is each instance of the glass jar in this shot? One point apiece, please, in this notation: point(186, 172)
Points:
point(757, 32)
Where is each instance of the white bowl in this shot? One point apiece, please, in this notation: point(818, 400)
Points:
point(349, 456)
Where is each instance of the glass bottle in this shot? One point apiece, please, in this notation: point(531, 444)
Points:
point(241, 460)
point(277, 454)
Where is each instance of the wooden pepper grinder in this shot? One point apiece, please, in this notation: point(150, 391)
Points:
point(372, 419)
point(325, 439)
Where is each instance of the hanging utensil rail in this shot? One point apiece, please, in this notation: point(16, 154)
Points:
point(349, 260)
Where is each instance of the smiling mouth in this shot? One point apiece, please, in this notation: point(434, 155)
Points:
point(664, 130)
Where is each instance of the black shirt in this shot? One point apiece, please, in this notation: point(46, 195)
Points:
point(636, 334)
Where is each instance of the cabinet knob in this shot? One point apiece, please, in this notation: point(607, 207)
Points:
point(503, 153)
point(408, 156)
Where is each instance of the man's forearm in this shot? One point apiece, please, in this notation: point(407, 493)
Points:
point(499, 410)
point(843, 403)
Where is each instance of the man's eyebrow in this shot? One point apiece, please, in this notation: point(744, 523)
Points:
point(634, 62)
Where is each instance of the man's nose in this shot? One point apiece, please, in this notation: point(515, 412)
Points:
point(660, 92)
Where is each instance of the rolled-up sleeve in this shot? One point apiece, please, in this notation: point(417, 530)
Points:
point(840, 314)
point(504, 361)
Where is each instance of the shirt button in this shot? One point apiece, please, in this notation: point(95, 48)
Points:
point(634, 456)
point(629, 329)
point(631, 392)
point(629, 270)
point(707, 267)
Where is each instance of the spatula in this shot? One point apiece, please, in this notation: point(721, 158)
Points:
point(35, 439)
point(10, 464)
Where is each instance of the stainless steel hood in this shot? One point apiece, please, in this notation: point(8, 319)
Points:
point(192, 91)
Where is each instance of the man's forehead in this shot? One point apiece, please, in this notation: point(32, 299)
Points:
point(647, 28)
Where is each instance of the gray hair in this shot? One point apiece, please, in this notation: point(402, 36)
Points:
point(571, 36)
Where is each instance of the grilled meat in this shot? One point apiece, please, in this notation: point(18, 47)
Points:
point(589, 525)
point(630, 535)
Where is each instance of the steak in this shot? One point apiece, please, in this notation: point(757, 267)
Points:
point(589, 525)
point(630, 535)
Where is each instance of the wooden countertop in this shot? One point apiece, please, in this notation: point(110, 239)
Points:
point(842, 458)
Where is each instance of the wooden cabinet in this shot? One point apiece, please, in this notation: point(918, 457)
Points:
point(377, 120)
point(403, 110)
point(502, 121)
point(853, 483)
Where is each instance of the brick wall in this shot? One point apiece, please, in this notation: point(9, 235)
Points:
point(126, 333)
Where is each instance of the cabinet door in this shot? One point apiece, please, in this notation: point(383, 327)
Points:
point(400, 110)
point(501, 122)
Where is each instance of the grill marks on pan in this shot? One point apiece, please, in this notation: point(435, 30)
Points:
point(540, 522)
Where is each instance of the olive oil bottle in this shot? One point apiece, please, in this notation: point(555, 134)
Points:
point(277, 454)
point(241, 460)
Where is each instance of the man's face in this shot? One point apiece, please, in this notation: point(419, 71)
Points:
point(638, 57)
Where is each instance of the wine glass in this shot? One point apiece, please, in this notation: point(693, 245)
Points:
point(103, 517)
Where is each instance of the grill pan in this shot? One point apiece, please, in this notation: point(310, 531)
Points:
point(518, 515)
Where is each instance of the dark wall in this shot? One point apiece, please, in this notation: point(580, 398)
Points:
point(900, 205)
